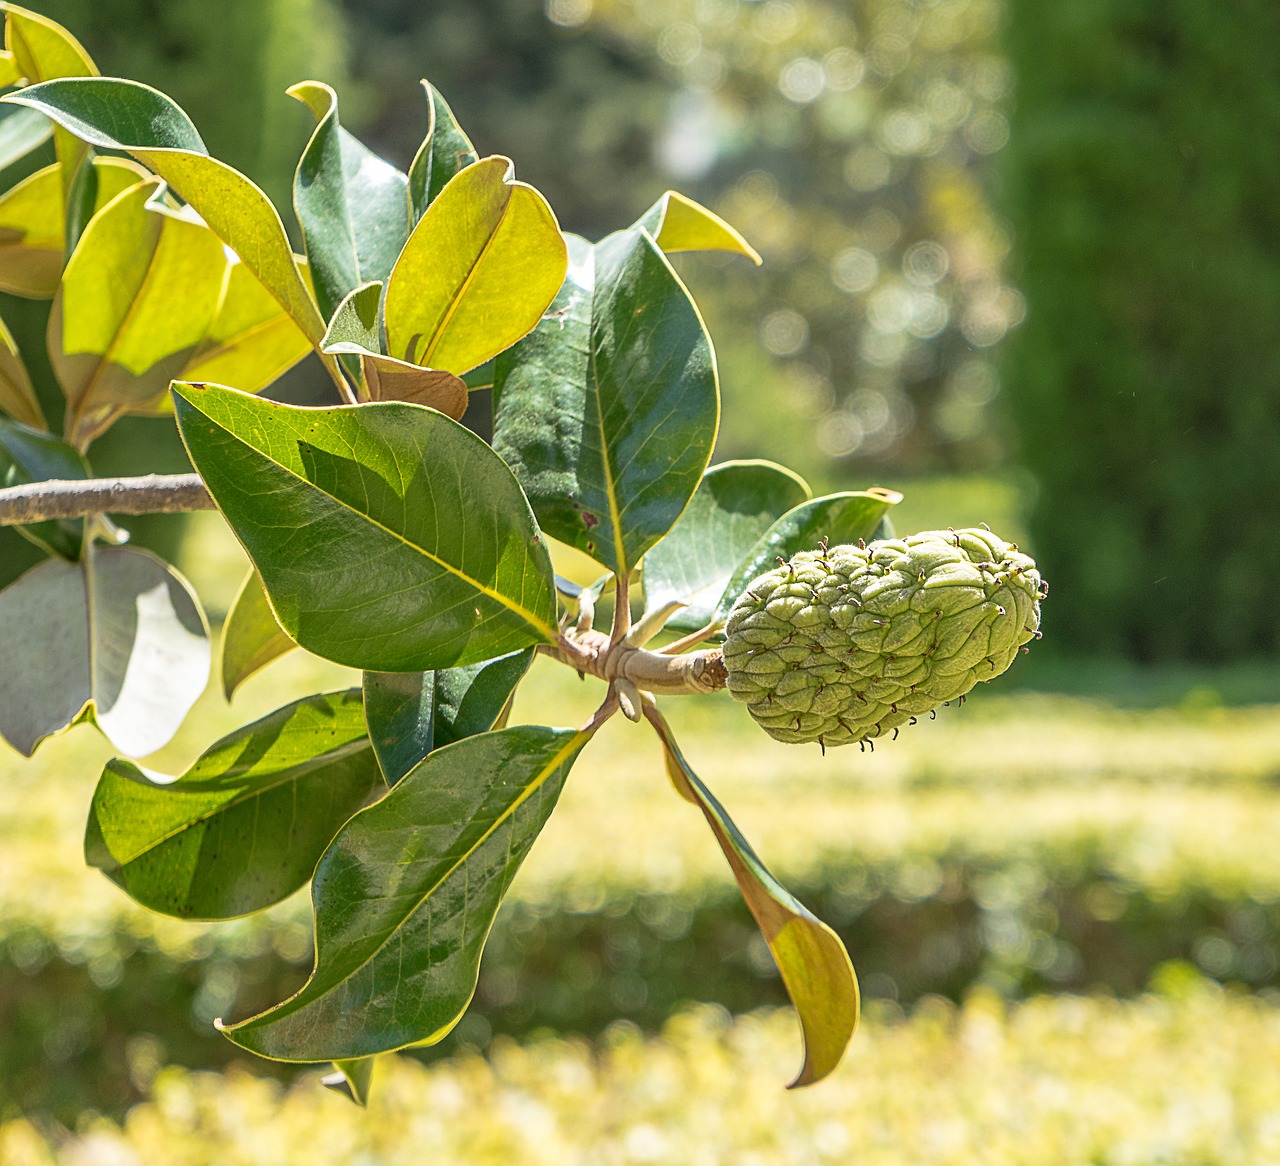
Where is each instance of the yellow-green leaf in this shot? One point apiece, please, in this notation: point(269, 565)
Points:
point(32, 224)
point(680, 224)
point(17, 397)
point(251, 635)
point(812, 960)
point(482, 265)
point(42, 50)
point(252, 341)
point(125, 115)
point(116, 343)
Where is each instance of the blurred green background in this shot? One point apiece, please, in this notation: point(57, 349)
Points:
point(1022, 262)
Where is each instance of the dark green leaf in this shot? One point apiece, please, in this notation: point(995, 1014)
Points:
point(251, 635)
point(411, 713)
point(813, 962)
point(444, 151)
point(118, 639)
point(839, 518)
point(352, 206)
point(734, 506)
point(29, 455)
point(388, 537)
point(480, 377)
point(406, 894)
point(84, 199)
point(608, 410)
point(244, 826)
point(108, 112)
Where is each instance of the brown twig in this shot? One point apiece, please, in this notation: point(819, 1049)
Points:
point(58, 498)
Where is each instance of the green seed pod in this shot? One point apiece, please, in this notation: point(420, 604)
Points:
point(844, 644)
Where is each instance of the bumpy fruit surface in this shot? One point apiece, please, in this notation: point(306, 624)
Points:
point(844, 644)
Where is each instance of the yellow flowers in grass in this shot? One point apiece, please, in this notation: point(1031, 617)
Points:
point(1184, 1082)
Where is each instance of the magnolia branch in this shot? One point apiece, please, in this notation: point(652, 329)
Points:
point(152, 494)
point(624, 665)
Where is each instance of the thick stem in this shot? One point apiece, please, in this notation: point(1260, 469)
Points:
point(152, 494)
point(592, 653)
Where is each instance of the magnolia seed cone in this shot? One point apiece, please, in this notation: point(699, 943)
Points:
point(844, 644)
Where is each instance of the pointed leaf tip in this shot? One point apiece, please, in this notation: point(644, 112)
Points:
point(678, 223)
point(405, 896)
point(811, 958)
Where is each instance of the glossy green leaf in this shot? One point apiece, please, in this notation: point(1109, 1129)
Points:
point(125, 115)
point(388, 537)
point(32, 455)
point(477, 273)
point(43, 50)
point(411, 713)
point(251, 636)
point(244, 826)
point(838, 518)
point(608, 411)
point(444, 152)
point(21, 131)
point(678, 223)
point(733, 507)
point(116, 343)
point(17, 397)
point(352, 206)
point(33, 224)
point(252, 339)
point(352, 1079)
point(118, 639)
point(406, 894)
point(811, 959)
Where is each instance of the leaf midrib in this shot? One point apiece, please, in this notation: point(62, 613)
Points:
point(610, 486)
point(451, 310)
point(544, 629)
point(303, 1000)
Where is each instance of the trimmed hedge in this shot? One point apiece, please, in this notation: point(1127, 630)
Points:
point(1143, 187)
